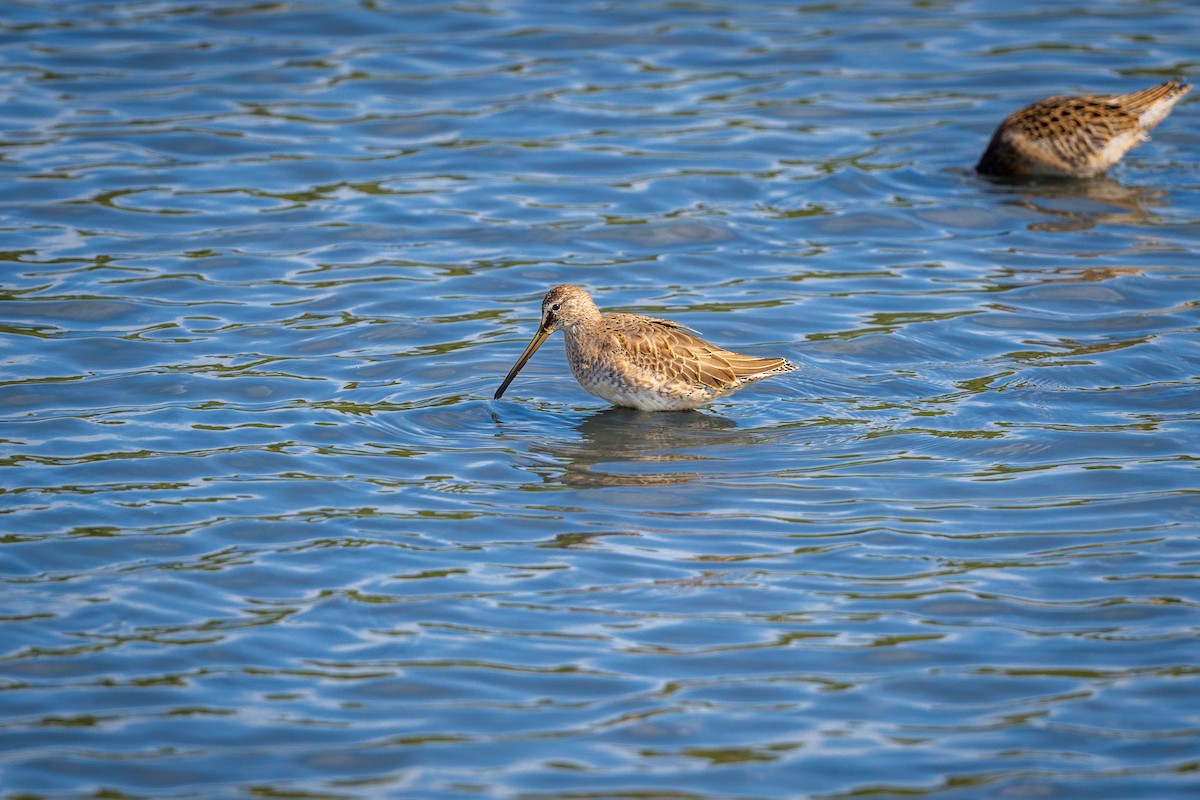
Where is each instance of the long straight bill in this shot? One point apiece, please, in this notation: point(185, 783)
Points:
point(534, 344)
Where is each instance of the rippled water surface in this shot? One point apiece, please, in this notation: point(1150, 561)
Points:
point(264, 532)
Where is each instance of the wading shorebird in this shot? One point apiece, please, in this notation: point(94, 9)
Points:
point(640, 362)
point(1077, 137)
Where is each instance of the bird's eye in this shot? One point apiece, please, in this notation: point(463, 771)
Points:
point(555, 307)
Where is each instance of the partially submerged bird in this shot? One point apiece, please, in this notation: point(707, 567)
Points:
point(640, 362)
point(1077, 137)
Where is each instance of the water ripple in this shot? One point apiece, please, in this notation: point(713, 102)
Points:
point(265, 265)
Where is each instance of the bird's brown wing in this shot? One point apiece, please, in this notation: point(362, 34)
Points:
point(668, 349)
point(1069, 131)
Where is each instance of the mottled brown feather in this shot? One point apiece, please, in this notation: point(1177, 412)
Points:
point(1077, 137)
point(668, 348)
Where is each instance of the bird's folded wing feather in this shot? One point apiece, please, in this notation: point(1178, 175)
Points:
point(667, 348)
point(1069, 130)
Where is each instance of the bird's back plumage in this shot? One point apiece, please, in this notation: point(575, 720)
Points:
point(1077, 137)
point(675, 351)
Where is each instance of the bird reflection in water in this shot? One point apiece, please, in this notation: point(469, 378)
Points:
point(1083, 205)
point(625, 447)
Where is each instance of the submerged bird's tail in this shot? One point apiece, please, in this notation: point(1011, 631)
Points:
point(1152, 105)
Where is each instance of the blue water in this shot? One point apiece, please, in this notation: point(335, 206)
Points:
point(264, 532)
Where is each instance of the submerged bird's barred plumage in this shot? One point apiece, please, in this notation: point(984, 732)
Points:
point(641, 362)
point(1077, 137)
